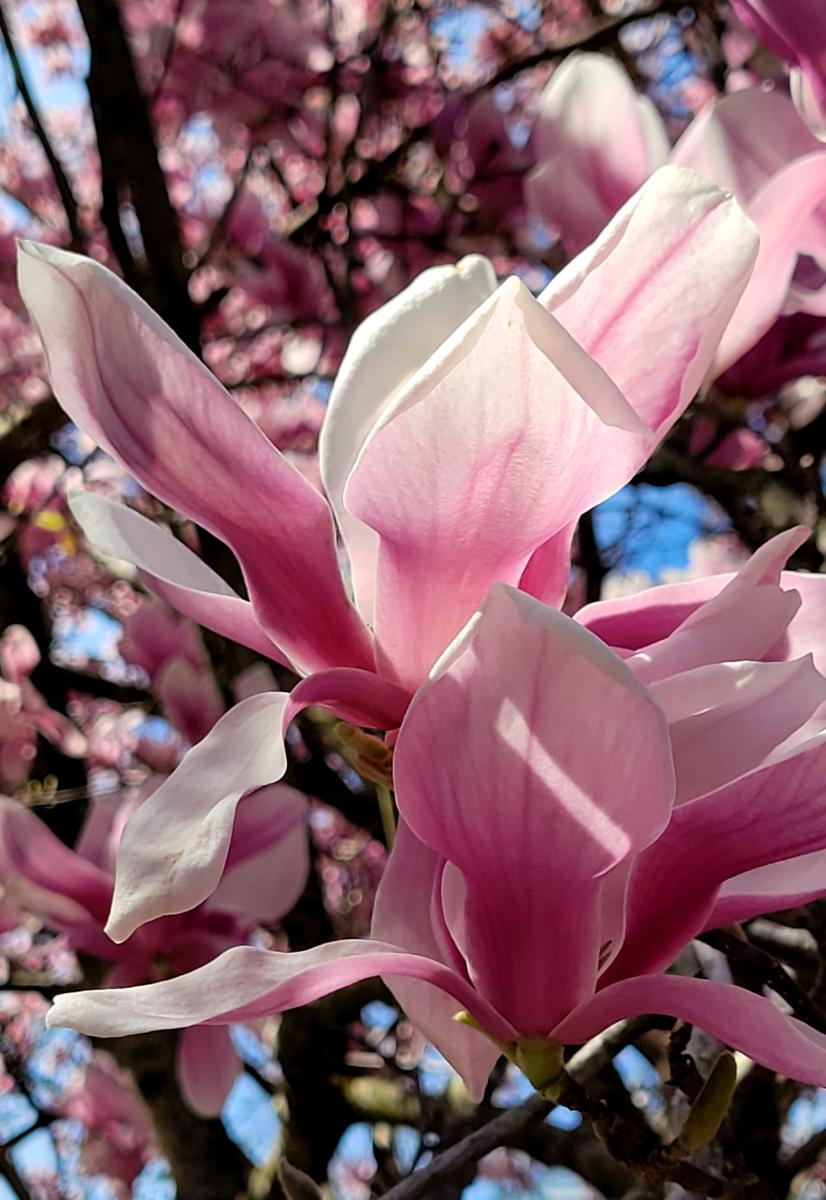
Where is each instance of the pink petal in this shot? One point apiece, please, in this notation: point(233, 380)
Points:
point(208, 1066)
point(492, 771)
point(772, 814)
point(768, 889)
point(725, 719)
point(153, 405)
point(742, 621)
point(667, 272)
point(269, 856)
point(357, 696)
point(501, 441)
point(174, 848)
point(781, 210)
point(739, 1018)
point(246, 983)
point(387, 348)
point(172, 571)
point(741, 140)
point(31, 852)
point(597, 140)
point(402, 916)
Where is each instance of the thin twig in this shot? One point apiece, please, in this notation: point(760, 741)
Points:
point(64, 188)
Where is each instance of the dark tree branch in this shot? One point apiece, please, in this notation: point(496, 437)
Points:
point(764, 970)
point(131, 170)
point(64, 188)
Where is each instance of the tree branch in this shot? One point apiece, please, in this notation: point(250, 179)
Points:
point(64, 188)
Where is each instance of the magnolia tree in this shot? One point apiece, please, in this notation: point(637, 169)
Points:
point(385, 811)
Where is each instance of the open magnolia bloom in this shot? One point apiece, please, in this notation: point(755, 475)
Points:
point(469, 428)
point(550, 860)
point(597, 140)
point(71, 891)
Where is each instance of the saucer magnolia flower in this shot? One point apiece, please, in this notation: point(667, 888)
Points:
point(469, 428)
point(549, 864)
point(795, 30)
point(752, 142)
point(71, 891)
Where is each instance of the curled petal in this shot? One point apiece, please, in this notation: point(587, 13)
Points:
point(739, 1018)
point(174, 848)
point(245, 983)
point(154, 406)
point(172, 571)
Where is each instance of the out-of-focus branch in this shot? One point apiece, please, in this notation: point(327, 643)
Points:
point(67, 196)
point(131, 171)
point(205, 1164)
point(764, 970)
point(9, 1172)
point(595, 39)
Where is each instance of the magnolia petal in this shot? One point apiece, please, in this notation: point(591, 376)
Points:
point(68, 887)
point(246, 983)
point(726, 718)
point(668, 271)
point(208, 1066)
point(743, 1020)
point(493, 774)
point(500, 442)
point(773, 814)
point(650, 616)
point(155, 407)
point(769, 889)
point(385, 350)
point(174, 848)
point(402, 916)
point(742, 621)
point(727, 140)
point(269, 856)
point(171, 570)
point(781, 210)
point(597, 140)
point(357, 696)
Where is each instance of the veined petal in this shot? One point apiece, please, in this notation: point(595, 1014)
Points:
point(725, 719)
point(155, 407)
point(385, 350)
point(245, 983)
point(507, 435)
point(494, 773)
point(668, 271)
point(174, 848)
point(171, 571)
point(739, 1018)
point(770, 815)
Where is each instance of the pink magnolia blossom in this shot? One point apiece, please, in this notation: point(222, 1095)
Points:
point(468, 429)
point(752, 142)
point(71, 891)
point(569, 822)
point(795, 30)
point(24, 714)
